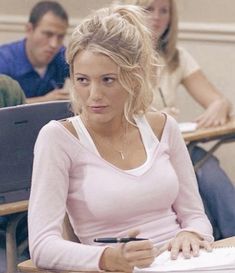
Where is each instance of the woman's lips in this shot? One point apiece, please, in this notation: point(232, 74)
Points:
point(98, 108)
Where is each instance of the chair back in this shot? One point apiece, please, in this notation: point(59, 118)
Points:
point(20, 126)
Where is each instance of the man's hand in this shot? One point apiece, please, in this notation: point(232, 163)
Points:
point(57, 94)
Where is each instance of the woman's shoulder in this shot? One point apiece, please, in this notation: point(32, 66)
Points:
point(188, 64)
point(156, 120)
point(50, 131)
point(68, 125)
point(183, 52)
point(56, 134)
point(56, 129)
point(185, 55)
point(160, 121)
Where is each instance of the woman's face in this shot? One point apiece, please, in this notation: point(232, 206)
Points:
point(159, 17)
point(96, 83)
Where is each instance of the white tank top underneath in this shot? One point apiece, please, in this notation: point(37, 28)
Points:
point(148, 137)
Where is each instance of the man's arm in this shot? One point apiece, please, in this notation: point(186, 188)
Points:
point(56, 94)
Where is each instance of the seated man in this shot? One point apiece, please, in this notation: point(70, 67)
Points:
point(11, 93)
point(37, 62)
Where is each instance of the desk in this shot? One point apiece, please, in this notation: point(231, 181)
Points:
point(208, 134)
point(222, 134)
point(28, 266)
point(15, 212)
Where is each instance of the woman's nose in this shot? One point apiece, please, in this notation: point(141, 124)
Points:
point(155, 15)
point(95, 91)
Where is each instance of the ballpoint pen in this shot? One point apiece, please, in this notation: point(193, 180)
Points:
point(162, 97)
point(113, 240)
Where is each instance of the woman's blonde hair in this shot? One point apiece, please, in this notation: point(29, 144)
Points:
point(120, 33)
point(167, 42)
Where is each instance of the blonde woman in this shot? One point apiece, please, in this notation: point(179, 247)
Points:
point(217, 191)
point(115, 168)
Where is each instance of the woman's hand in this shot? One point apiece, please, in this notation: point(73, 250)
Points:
point(126, 256)
point(188, 243)
point(217, 113)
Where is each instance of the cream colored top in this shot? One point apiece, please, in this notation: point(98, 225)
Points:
point(169, 82)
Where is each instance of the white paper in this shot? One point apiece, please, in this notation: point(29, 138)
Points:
point(187, 126)
point(221, 259)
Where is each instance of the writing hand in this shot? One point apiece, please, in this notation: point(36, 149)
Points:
point(217, 113)
point(126, 256)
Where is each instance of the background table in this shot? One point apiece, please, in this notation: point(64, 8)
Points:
point(221, 134)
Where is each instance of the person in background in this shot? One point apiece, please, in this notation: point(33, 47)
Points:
point(179, 67)
point(146, 184)
point(37, 62)
point(11, 93)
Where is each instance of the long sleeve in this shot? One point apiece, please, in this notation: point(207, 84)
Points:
point(188, 204)
point(47, 207)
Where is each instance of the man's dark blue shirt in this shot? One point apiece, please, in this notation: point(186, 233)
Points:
point(15, 63)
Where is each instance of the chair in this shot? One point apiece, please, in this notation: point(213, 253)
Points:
point(19, 129)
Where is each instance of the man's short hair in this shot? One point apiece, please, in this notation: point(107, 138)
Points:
point(43, 7)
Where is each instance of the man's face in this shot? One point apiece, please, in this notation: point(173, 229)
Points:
point(45, 39)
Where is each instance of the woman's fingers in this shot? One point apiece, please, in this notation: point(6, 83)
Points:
point(141, 263)
point(189, 244)
point(214, 115)
point(186, 248)
point(140, 254)
point(206, 245)
point(195, 249)
point(133, 233)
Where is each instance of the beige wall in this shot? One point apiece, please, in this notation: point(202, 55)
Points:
point(75, 8)
point(222, 11)
point(190, 10)
point(207, 30)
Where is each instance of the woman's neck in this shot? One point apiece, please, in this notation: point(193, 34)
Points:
point(106, 129)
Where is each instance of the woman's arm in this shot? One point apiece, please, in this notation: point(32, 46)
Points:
point(217, 107)
point(47, 206)
point(188, 204)
point(196, 230)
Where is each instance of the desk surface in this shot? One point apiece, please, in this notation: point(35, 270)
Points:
point(29, 267)
point(15, 207)
point(210, 133)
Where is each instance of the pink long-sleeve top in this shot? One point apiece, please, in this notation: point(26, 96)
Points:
point(105, 201)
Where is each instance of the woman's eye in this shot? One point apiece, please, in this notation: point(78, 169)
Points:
point(82, 80)
point(149, 9)
point(108, 80)
point(164, 11)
